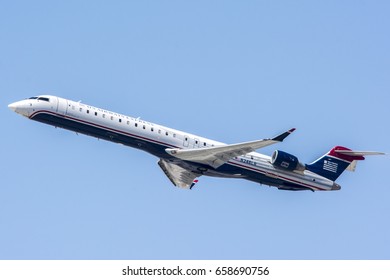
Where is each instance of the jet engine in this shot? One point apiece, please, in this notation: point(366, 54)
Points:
point(286, 161)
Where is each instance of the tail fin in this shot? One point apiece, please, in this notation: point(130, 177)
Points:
point(332, 164)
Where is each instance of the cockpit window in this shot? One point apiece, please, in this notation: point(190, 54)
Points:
point(44, 99)
point(34, 97)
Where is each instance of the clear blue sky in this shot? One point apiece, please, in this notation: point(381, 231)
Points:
point(232, 71)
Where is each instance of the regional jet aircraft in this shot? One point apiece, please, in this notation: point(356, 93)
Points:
point(184, 156)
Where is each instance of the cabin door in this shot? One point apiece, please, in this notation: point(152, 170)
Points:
point(62, 107)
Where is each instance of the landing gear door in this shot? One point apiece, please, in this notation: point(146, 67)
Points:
point(62, 106)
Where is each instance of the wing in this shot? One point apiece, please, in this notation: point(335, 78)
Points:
point(216, 156)
point(179, 176)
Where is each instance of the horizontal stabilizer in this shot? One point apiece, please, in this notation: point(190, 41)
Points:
point(359, 153)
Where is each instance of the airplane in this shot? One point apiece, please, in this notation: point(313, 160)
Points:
point(184, 157)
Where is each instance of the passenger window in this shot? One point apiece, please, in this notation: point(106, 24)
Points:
point(87, 111)
point(120, 120)
point(174, 135)
point(144, 127)
point(81, 109)
point(151, 129)
point(95, 113)
point(166, 133)
point(104, 116)
point(112, 118)
point(136, 124)
point(204, 144)
point(128, 122)
point(159, 131)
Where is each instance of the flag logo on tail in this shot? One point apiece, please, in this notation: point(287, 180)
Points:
point(330, 166)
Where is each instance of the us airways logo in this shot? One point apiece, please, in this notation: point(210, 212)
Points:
point(330, 166)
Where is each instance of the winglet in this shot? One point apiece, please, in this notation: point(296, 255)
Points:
point(193, 184)
point(282, 136)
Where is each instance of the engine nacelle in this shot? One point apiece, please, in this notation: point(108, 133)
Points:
point(286, 161)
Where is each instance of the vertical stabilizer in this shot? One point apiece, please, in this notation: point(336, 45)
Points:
point(333, 163)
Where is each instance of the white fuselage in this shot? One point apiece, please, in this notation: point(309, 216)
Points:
point(155, 138)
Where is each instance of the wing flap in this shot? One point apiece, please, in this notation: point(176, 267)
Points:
point(179, 176)
point(216, 156)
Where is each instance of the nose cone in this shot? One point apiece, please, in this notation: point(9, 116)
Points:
point(336, 187)
point(20, 107)
point(12, 106)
